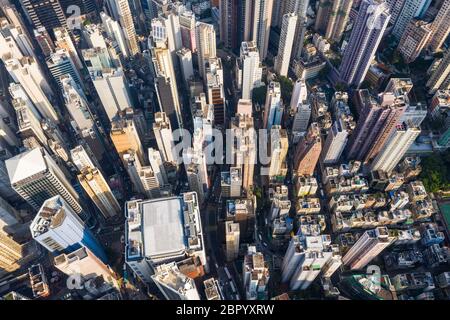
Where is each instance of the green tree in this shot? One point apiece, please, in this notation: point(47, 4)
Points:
point(340, 86)
point(435, 173)
point(287, 86)
point(259, 95)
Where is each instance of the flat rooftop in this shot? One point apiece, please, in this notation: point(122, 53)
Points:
point(163, 227)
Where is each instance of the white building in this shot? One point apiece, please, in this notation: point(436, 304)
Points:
point(112, 88)
point(59, 229)
point(395, 148)
point(173, 284)
point(250, 68)
point(273, 110)
point(36, 177)
point(306, 257)
point(162, 231)
point(285, 45)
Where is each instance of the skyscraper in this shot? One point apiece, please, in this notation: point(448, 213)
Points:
point(206, 46)
point(231, 240)
point(255, 275)
point(368, 29)
point(414, 39)
point(332, 18)
point(229, 15)
point(164, 137)
point(59, 229)
point(166, 85)
point(95, 185)
point(273, 110)
point(308, 151)
point(374, 126)
point(286, 43)
point(173, 284)
point(395, 148)
point(126, 21)
point(45, 13)
point(84, 263)
point(251, 69)
point(440, 76)
point(305, 258)
point(245, 153)
point(60, 64)
point(262, 19)
point(410, 10)
point(215, 89)
point(112, 88)
point(279, 145)
point(337, 139)
point(115, 32)
point(439, 28)
point(386, 123)
point(29, 75)
point(125, 137)
point(299, 8)
point(11, 253)
point(160, 225)
point(368, 246)
point(8, 214)
point(36, 177)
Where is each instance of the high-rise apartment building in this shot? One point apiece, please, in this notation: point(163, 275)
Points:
point(308, 151)
point(95, 185)
point(164, 137)
point(283, 59)
point(332, 18)
point(410, 10)
point(242, 127)
point(368, 246)
point(255, 275)
point(368, 29)
point(251, 69)
point(281, 205)
point(337, 139)
point(440, 28)
point(229, 17)
point(273, 110)
point(59, 229)
point(389, 118)
point(374, 126)
point(261, 22)
point(395, 148)
point(305, 258)
point(414, 39)
point(279, 145)
point(187, 29)
point(215, 89)
point(206, 46)
point(231, 240)
point(115, 32)
point(440, 76)
point(36, 177)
